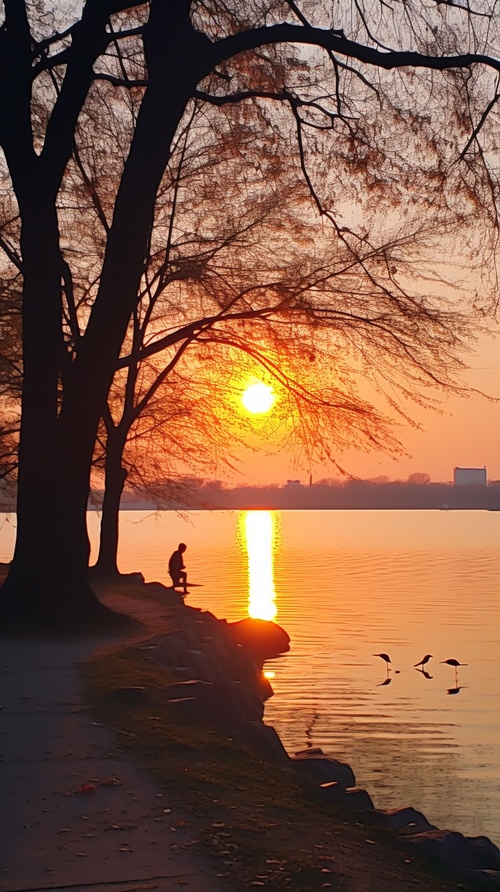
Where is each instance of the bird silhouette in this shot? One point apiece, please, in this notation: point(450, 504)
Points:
point(387, 660)
point(455, 690)
point(423, 661)
point(382, 683)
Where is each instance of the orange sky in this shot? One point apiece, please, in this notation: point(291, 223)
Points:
point(467, 435)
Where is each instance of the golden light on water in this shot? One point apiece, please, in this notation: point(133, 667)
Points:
point(260, 539)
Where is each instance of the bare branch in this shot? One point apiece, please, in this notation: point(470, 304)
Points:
point(341, 45)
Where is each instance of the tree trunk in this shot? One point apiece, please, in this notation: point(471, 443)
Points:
point(48, 581)
point(115, 476)
point(50, 558)
point(48, 584)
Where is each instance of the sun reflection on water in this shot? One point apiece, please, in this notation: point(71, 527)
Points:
point(259, 528)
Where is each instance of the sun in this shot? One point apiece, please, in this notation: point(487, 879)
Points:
point(258, 398)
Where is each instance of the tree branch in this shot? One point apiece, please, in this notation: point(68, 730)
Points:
point(338, 43)
point(192, 330)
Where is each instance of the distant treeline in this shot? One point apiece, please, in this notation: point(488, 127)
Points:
point(348, 494)
point(193, 493)
point(358, 494)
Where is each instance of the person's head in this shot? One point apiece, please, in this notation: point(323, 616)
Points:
point(182, 547)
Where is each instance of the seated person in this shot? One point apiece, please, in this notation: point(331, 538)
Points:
point(176, 568)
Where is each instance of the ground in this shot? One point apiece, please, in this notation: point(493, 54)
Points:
point(104, 793)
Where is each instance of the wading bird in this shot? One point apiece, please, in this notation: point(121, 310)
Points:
point(386, 658)
point(455, 664)
point(423, 661)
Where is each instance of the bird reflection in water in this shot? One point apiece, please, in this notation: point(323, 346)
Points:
point(423, 672)
point(455, 690)
point(386, 681)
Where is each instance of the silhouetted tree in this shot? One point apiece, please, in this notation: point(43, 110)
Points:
point(419, 478)
point(159, 58)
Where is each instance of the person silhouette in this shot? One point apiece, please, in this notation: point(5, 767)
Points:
point(176, 568)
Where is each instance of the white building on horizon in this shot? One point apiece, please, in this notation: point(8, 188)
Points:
point(470, 477)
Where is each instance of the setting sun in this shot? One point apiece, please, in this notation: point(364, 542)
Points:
point(258, 398)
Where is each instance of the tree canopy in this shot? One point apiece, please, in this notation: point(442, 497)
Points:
point(381, 119)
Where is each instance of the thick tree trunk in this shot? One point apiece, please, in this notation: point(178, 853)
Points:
point(48, 581)
point(49, 569)
point(48, 584)
point(115, 476)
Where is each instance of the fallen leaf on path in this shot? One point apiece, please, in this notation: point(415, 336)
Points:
point(85, 788)
point(122, 827)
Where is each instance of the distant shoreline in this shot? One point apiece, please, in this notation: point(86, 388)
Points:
point(267, 506)
point(350, 495)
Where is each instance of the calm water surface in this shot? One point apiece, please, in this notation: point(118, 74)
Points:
point(347, 585)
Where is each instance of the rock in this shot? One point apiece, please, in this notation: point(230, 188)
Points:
point(406, 818)
point(456, 852)
point(261, 637)
point(355, 797)
point(322, 769)
point(484, 879)
point(225, 706)
point(264, 688)
point(310, 751)
point(136, 578)
point(249, 701)
point(168, 594)
point(263, 739)
point(203, 666)
point(185, 710)
point(220, 681)
point(171, 650)
point(189, 688)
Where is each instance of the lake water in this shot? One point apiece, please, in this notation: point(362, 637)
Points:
point(347, 585)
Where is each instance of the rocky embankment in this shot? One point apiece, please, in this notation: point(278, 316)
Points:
point(218, 667)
